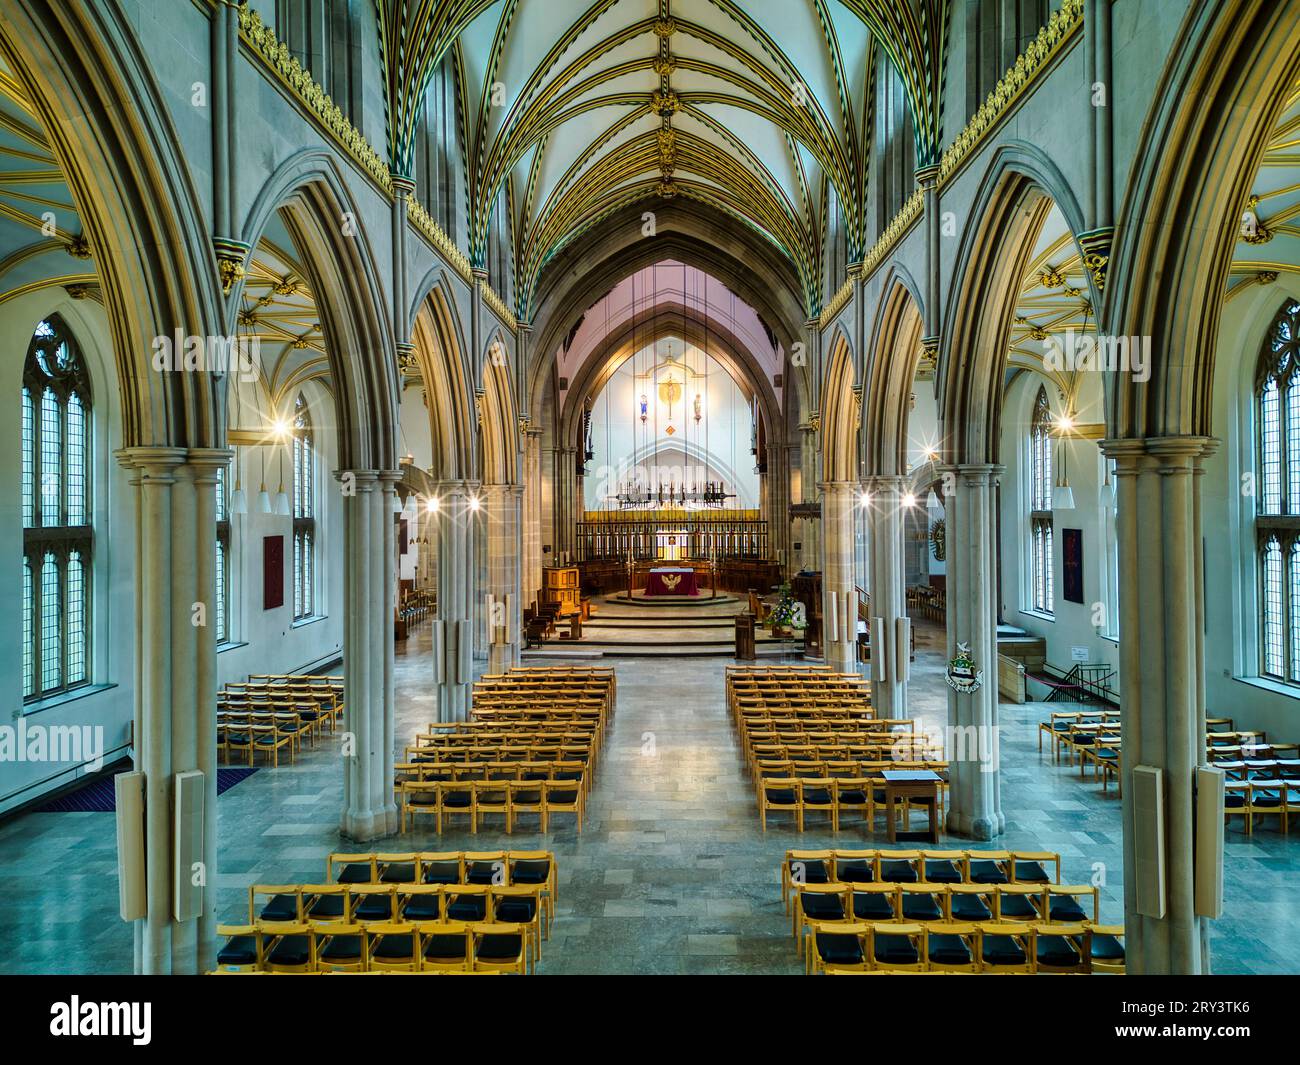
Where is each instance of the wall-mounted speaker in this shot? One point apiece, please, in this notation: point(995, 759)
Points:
point(879, 652)
point(439, 635)
point(464, 652)
point(902, 650)
point(1209, 841)
point(129, 791)
point(832, 612)
point(189, 877)
point(1148, 799)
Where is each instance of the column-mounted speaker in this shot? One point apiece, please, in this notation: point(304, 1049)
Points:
point(879, 651)
point(512, 619)
point(832, 611)
point(902, 650)
point(439, 634)
point(1148, 798)
point(129, 791)
point(189, 876)
point(849, 627)
point(464, 652)
point(1209, 841)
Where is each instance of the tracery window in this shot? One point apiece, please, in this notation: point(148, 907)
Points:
point(58, 537)
point(1041, 591)
point(1277, 520)
point(222, 574)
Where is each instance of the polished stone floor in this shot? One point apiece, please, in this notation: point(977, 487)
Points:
point(671, 873)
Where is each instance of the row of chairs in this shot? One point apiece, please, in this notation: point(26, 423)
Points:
point(266, 733)
point(918, 866)
point(987, 948)
point(563, 792)
point(837, 791)
point(408, 947)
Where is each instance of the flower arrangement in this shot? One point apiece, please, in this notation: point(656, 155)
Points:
point(788, 613)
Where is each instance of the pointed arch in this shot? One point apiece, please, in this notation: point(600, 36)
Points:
point(895, 354)
point(841, 412)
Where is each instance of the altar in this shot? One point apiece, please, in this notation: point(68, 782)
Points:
point(672, 580)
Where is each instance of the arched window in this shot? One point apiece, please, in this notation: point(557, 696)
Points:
point(56, 507)
point(304, 513)
point(1041, 593)
point(222, 575)
point(1277, 519)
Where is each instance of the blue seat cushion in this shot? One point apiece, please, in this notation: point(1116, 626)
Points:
point(374, 908)
point(355, 873)
point(987, 872)
point(516, 910)
point(942, 871)
point(422, 908)
point(1003, 950)
point(813, 871)
point(342, 949)
point(290, 950)
point(970, 908)
point(1057, 951)
point(398, 873)
point(393, 948)
point(239, 950)
point(1017, 908)
point(781, 796)
point(921, 908)
point(822, 907)
point(816, 797)
point(853, 797)
point(872, 907)
point(1066, 908)
point(855, 871)
point(499, 947)
point(442, 873)
point(467, 908)
point(835, 948)
point(326, 907)
point(898, 872)
point(445, 947)
point(280, 908)
point(528, 798)
point(530, 871)
point(895, 950)
point(459, 799)
point(948, 949)
point(483, 872)
point(1031, 873)
point(1107, 948)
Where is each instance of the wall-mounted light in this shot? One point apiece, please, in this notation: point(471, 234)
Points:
point(474, 503)
point(909, 500)
point(431, 506)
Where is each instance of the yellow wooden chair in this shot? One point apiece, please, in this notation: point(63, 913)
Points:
point(444, 946)
point(393, 946)
point(896, 947)
point(499, 948)
point(519, 904)
point(837, 947)
point(1006, 947)
point(823, 903)
point(339, 946)
point(804, 867)
point(1062, 948)
point(779, 794)
point(1107, 948)
point(952, 947)
point(286, 946)
point(242, 950)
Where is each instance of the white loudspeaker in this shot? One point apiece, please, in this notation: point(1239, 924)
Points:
point(902, 649)
point(439, 651)
point(879, 653)
point(850, 627)
point(1148, 798)
point(464, 652)
point(1209, 841)
point(129, 791)
point(489, 629)
point(831, 610)
point(512, 620)
point(189, 877)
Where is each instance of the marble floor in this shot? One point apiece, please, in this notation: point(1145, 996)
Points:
point(671, 873)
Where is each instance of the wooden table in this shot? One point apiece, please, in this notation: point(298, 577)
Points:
point(916, 786)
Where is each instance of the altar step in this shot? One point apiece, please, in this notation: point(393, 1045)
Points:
point(561, 650)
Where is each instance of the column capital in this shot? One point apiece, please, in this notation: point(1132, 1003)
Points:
point(885, 482)
point(1171, 453)
point(362, 480)
point(973, 472)
point(206, 461)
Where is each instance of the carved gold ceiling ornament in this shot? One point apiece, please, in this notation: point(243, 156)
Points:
point(665, 102)
point(1052, 278)
point(664, 67)
point(667, 189)
point(406, 361)
point(665, 27)
point(78, 246)
point(231, 256)
point(1095, 263)
point(1266, 277)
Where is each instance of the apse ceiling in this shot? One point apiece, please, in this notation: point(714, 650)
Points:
point(574, 109)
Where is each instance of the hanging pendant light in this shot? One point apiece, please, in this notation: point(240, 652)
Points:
point(264, 500)
point(1062, 494)
point(238, 501)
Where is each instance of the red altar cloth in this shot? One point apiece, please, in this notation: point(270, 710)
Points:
point(669, 580)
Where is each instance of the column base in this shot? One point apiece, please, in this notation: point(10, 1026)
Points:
point(361, 826)
point(983, 828)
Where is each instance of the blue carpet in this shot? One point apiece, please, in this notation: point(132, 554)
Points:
point(99, 796)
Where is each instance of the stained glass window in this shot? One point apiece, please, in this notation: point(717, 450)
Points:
point(304, 511)
point(1042, 595)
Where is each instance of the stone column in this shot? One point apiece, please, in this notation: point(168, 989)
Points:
point(810, 534)
point(175, 674)
point(566, 489)
point(975, 807)
point(839, 600)
point(532, 516)
point(1161, 665)
point(502, 504)
point(369, 560)
point(885, 518)
point(454, 526)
